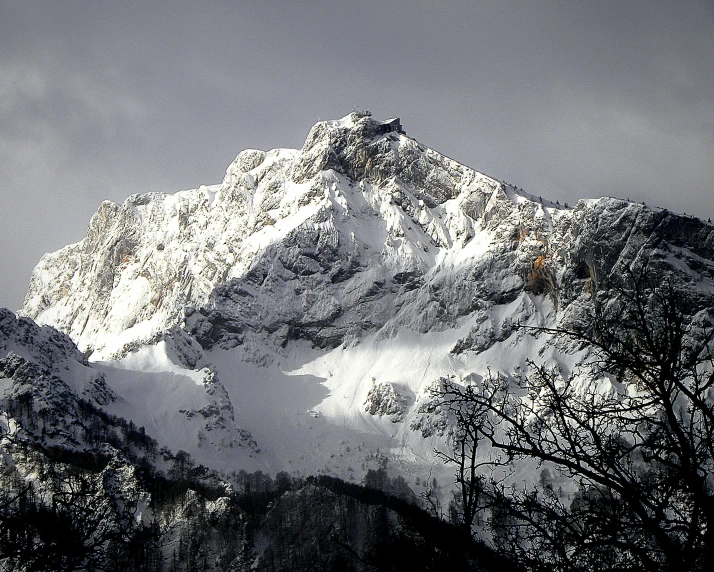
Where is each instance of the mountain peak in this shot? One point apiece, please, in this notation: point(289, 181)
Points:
point(298, 316)
point(353, 233)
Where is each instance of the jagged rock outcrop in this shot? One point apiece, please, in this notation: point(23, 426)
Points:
point(45, 345)
point(51, 395)
point(386, 399)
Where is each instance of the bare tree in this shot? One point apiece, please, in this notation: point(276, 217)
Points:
point(463, 454)
point(632, 429)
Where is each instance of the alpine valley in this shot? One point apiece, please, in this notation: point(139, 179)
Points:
point(217, 370)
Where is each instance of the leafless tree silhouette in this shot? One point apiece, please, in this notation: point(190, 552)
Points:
point(632, 430)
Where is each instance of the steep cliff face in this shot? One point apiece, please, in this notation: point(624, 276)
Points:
point(353, 216)
point(323, 243)
point(350, 276)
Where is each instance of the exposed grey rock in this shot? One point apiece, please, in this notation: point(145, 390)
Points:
point(386, 399)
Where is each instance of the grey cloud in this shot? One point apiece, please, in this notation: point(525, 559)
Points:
point(568, 99)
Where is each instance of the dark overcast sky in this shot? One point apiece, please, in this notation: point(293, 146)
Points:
point(568, 99)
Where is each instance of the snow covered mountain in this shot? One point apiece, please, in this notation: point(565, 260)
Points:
point(296, 316)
